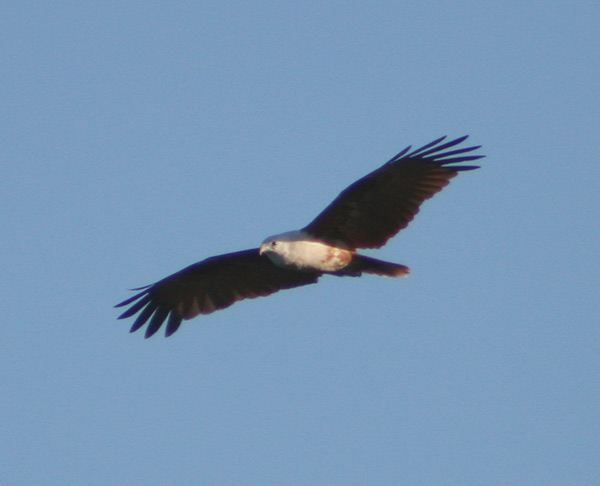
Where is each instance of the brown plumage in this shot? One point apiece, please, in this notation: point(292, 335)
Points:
point(369, 212)
point(207, 286)
point(364, 215)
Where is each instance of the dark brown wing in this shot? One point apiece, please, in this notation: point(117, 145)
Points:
point(373, 209)
point(207, 286)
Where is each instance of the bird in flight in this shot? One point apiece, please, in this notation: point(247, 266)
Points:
point(364, 215)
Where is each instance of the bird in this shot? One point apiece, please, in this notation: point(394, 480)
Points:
point(364, 215)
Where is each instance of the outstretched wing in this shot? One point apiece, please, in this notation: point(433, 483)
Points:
point(373, 209)
point(207, 286)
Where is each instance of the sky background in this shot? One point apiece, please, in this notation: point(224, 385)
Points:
point(140, 137)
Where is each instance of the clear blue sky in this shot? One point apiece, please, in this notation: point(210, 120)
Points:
point(140, 137)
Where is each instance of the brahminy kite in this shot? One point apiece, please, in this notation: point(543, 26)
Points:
point(364, 215)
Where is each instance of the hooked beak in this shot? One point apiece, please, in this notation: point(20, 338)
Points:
point(267, 247)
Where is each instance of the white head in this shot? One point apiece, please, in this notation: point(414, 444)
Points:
point(278, 247)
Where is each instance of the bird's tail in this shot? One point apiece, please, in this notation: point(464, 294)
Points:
point(379, 267)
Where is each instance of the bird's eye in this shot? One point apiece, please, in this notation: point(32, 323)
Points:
point(273, 244)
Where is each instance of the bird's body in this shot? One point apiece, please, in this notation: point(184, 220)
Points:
point(303, 252)
point(365, 215)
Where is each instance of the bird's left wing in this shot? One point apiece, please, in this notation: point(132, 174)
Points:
point(207, 286)
point(373, 209)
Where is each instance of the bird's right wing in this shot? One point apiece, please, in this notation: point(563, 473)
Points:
point(373, 209)
point(207, 286)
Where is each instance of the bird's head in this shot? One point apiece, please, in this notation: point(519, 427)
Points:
point(274, 244)
point(268, 246)
point(274, 249)
point(277, 247)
